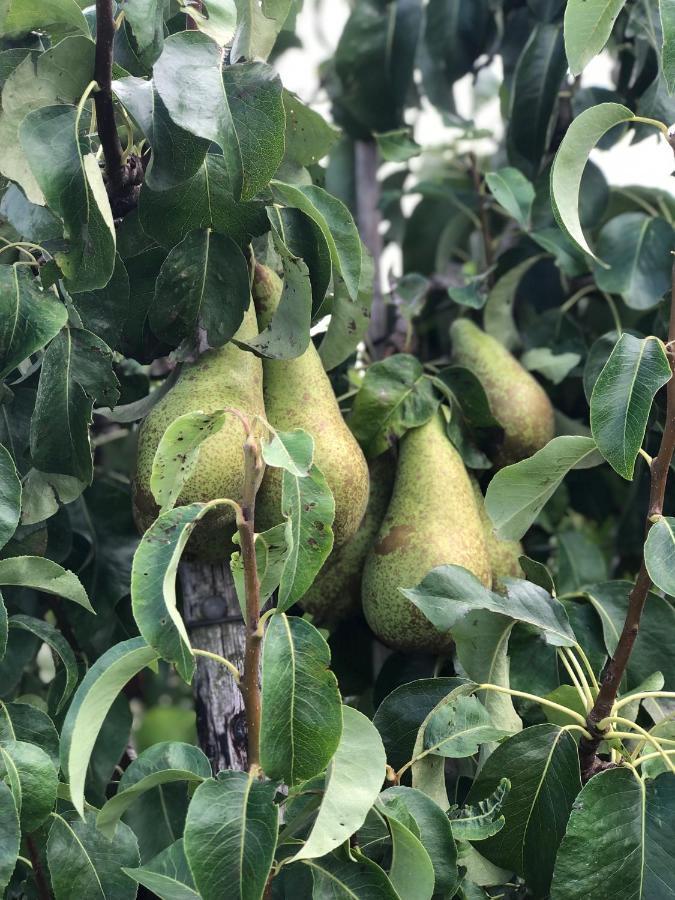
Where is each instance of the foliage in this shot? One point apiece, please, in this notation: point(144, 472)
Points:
point(535, 758)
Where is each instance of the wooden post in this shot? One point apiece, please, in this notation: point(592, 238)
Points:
point(215, 623)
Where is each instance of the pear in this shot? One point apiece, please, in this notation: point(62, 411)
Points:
point(298, 394)
point(336, 591)
point(227, 376)
point(432, 520)
point(516, 399)
point(503, 555)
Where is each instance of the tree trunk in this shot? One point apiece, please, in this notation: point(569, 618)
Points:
point(214, 622)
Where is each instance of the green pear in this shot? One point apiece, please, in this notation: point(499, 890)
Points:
point(503, 555)
point(298, 394)
point(218, 378)
point(336, 592)
point(432, 520)
point(517, 400)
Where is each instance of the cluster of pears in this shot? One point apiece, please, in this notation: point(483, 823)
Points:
point(293, 393)
point(435, 514)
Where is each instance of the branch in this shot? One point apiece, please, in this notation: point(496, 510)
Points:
point(250, 685)
point(611, 678)
point(483, 213)
point(105, 112)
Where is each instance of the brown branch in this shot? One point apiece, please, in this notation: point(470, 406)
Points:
point(616, 667)
point(43, 891)
point(482, 213)
point(105, 112)
point(250, 685)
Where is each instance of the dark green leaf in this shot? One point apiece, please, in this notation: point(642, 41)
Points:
point(23, 722)
point(32, 778)
point(398, 145)
point(395, 395)
point(660, 554)
point(146, 18)
point(167, 875)
point(304, 238)
point(85, 863)
point(309, 136)
point(21, 16)
point(203, 286)
point(53, 637)
point(301, 708)
point(230, 836)
point(411, 872)
point(105, 311)
point(543, 767)
point(457, 32)
point(482, 820)
point(622, 399)
point(73, 186)
point(349, 318)
point(30, 317)
point(518, 493)
point(240, 107)
point(457, 728)
point(43, 575)
point(339, 876)
point(448, 593)
point(513, 191)
point(498, 314)
point(76, 370)
point(32, 222)
point(10, 496)
point(92, 700)
point(10, 835)
point(625, 823)
point(257, 27)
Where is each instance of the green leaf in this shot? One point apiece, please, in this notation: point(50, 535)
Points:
point(10, 496)
point(482, 820)
point(667, 13)
point(85, 863)
point(309, 507)
point(535, 85)
point(636, 247)
point(177, 454)
point(146, 18)
point(43, 575)
point(349, 318)
point(167, 875)
point(258, 27)
point(105, 311)
point(217, 19)
point(498, 313)
point(336, 224)
point(21, 16)
point(76, 370)
point(518, 493)
point(435, 833)
point(588, 25)
point(457, 728)
point(202, 289)
point(354, 876)
point(53, 637)
point(449, 592)
point(163, 763)
point(10, 835)
point(309, 136)
point(303, 237)
point(411, 872)
point(93, 698)
point(32, 222)
point(30, 317)
point(554, 366)
point(301, 718)
point(543, 767)
point(292, 451)
point(660, 554)
point(59, 75)
point(240, 108)
point(399, 716)
point(153, 585)
point(271, 552)
point(514, 192)
point(203, 201)
point(398, 145)
point(355, 776)
point(32, 778)
point(73, 186)
point(570, 162)
point(230, 836)
point(23, 722)
point(624, 822)
point(395, 395)
point(622, 399)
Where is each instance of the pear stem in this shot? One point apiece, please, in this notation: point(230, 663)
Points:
point(250, 685)
point(616, 667)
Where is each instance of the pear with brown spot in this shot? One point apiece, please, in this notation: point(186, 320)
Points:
point(219, 378)
point(336, 591)
point(298, 394)
point(516, 398)
point(432, 520)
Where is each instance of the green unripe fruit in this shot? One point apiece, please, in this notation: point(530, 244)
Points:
point(298, 394)
point(516, 399)
point(219, 378)
point(432, 520)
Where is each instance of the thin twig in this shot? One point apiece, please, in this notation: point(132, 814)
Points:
point(105, 112)
point(614, 671)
